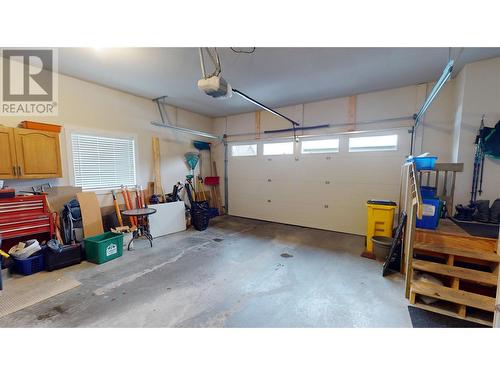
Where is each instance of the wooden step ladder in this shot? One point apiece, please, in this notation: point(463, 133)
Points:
point(467, 266)
point(469, 276)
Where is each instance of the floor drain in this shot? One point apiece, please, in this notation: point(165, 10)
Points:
point(286, 255)
point(218, 239)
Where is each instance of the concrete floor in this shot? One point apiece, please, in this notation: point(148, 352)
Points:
point(231, 275)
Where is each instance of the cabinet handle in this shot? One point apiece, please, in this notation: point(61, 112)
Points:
point(14, 171)
point(19, 173)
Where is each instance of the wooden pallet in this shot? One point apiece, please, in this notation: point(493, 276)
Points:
point(469, 277)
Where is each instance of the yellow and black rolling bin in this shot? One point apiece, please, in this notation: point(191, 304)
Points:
point(380, 222)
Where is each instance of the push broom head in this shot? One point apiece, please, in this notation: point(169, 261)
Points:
point(200, 145)
point(192, 159)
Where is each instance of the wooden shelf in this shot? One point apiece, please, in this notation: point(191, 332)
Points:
point(455, 241)
point(454, 271)
point(468, 269)
point(466, 253)
point(450, 312)
point(453, 295)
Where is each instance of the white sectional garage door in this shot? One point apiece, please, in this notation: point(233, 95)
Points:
point(318, 190)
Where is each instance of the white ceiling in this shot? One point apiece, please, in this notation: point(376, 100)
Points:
point(274, 76)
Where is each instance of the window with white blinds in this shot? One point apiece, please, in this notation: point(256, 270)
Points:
point(103, 162)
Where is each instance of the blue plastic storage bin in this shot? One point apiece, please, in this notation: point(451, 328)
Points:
point(430, 214)
point(427, 191)
point(425, 163)
point(213, 212)
point(29, 266)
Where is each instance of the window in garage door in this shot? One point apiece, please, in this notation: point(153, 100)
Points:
point(244, 150)
point(278, 148)
point(320, 146)
point(376, 143)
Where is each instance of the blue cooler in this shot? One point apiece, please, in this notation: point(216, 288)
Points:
point(430, 213)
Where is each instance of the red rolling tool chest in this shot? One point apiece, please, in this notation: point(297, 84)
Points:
point(25, 216)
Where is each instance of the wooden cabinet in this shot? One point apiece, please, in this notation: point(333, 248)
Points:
point(7, 154)
point(38, 154)
point(29, 154)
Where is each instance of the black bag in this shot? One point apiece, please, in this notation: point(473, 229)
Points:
point(482, 213)
point(495, 212)
point(71, 218)
point(491, 144)
point(199, 211)
point(200, 215)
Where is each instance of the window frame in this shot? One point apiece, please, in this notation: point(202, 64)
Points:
point(264, 143)
point(312, 139)
point(373, 149)
point(245, 144)
point(97, 133)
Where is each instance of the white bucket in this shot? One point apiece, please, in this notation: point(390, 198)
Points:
point(127, 237)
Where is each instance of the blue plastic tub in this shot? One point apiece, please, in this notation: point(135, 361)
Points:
point(425, 163)
point(29, 266)
point(428, 192)
point(213, 212)
point(430, 214)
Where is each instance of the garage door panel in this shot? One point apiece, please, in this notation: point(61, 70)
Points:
point(277, 165)
point(246, 187)
point(312, 165)
point(344, 219)
point(325, 191)
point(254, 211)
point(362, 172)
point(349, 194)
point(238, 168)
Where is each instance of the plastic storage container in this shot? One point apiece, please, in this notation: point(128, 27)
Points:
point(30, 265)
point(380, 222)
point(213, 212)
point(40, 126)
point(200, 215)
point(424, 162)
point(70, 255)
point(428, 192)
point(104, 247)
point(381, 246)
point(430, 213)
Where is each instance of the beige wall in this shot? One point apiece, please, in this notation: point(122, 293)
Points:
point(480, 90)
point(400, 102)
point(88, 107)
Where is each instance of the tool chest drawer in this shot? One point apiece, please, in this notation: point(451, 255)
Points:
point(25, 226)
point(35, 204)
point(24, 216)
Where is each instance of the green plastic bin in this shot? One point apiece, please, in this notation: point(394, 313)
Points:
point(104, 247)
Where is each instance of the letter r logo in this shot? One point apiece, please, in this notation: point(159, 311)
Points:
point(27, 75)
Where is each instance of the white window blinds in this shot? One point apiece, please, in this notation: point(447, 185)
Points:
point(103, 162)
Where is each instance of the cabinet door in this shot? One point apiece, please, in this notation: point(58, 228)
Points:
point(7, 153)
point(38, 154)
